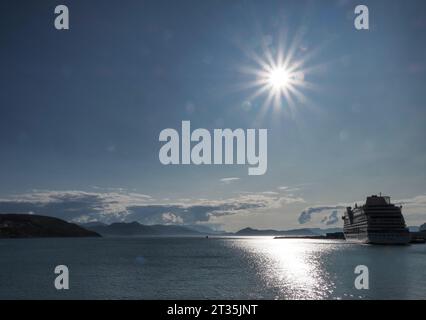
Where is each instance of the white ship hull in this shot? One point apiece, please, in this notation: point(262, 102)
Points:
point(388, 238)
point(378, 221)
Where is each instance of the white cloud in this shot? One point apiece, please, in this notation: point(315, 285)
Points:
point(270, 192)
point(307, 214)
point(283, 188)
point(171, 218)
point(288, 189)
point(82, 206)
point(229, 180)
point(414, 210)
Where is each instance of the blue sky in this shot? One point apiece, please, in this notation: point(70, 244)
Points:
point(81, 110)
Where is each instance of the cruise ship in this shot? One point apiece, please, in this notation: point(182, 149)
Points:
point(378, 221)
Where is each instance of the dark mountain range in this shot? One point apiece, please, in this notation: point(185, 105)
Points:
point(92, 224)
point(137, 229)
point(35, 226)
point(291, 232)
point(29, 226)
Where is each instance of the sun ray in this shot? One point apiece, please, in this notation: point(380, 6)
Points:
point(279, 74)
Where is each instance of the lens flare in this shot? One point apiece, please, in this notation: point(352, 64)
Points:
point(279, 78)
point(278, 74)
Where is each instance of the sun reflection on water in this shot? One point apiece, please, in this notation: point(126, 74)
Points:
point(294, 268)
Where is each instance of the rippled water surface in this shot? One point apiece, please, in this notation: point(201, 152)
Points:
point(214, 268)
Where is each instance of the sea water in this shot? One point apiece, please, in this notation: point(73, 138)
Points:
point(208, 268)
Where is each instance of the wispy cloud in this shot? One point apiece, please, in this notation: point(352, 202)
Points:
point(81, 206)
point(72, 204)
point(414, 202)
point(283, 188)
point(414, 210)
point(331, 219)
point(229, 180)
point(306, 215)
point(270, 192)
point(288, 189)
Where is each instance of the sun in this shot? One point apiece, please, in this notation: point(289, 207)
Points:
point(279, 78)
point(279, 73)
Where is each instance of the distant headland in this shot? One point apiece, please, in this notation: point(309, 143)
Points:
point(36, 226)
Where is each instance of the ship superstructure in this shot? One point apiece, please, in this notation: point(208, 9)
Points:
point(378, 221)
